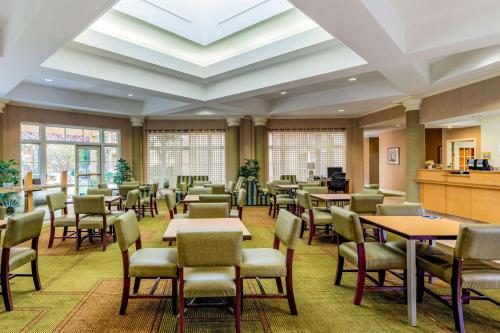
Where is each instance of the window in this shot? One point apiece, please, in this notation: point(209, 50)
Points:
point(291, 150)
point(110, 160)
point(30, 132)
point(30, 159)
point(190, 153)
point(60, 157)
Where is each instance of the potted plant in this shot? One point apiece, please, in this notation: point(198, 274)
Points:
point(123, 173)
point(250, 168)
point(9, 174)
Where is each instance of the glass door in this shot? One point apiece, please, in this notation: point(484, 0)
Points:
point(88, 168)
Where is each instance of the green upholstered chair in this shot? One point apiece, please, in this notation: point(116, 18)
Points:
point(105, 192)
point(230, 187)
point(367, 256)
point(209, 262)
point(315, 190)
point(187, 180)
point(277, 199)
point(171, 201)
point(57, 203)
point(366, 204)
point(208, 210)
point(309, 183)
point(103, 186)
point(216, 188)
point(124, 189)
point(20, 228)
point(240, 202)
point(216, 198)
point(201, 183)
point(471, 266)
point(199, 190)
point(291, 178)
point(265, 263)
point(149, 263)
point(133, 202)
point(151, 201)
point(91, 213)
point(312, 216)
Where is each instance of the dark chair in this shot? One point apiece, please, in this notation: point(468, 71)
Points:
point(338, 183)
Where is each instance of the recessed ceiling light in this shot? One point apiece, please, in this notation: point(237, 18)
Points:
point(283, 93)
point(449, 126)
point(398, 125)
point(48, 80)
point(130, 95)
point(341, 110)
point(351, 79)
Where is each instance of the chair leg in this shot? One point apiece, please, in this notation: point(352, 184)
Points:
point(360, 285)
point(302, 228)
point(65, 233)
point(289, 294)
point(125, 295)
point(237, 308)
point(34, 273)
point(340, 270)
point(174, 297)
point(279, 285)
point(113, 231)
point(78, 239)
point(466, 292)
point(456, 304)
point(52, 235)
point(312, 231)
point(181, 321)
point(103, 239)
point(381, 278)
point(137, 284)
point(275, 209)
point(420, 284)
point(6, 295)
point(270, 209)
point(156, 208)
point(151, 209)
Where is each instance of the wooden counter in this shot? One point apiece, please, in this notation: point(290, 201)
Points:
point(475, 196)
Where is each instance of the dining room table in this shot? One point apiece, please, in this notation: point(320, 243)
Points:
point(413, 229)
point(170, 234)
point(190, 198)
point(338, 199)
point(290, 188)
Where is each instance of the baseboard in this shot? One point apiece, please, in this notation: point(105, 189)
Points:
point(370, 185)
point(389, 191)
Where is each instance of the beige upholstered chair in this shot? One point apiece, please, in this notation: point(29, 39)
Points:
point(230, 187)
point(271, 263)
point(105, 192)
point(124, 189)
point(20, 229)
point(315, 190)
point(57, 202)
point(199, 190)
point(366, 204)
point(209, 262)
point(371, 191)
point(312, 216)
point(198, 183)
point(150, 202)
point(171, 202)
point(367, 256)
point(315, 183)
point(216, 198)
point(91, 213)
point(144, 263)
point(278, 200)
point(208, 210)
point(216, 188)
point(468, 268)
point(133, 202)
point(240, 202)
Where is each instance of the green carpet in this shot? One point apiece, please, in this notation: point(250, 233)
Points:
point(81, 293)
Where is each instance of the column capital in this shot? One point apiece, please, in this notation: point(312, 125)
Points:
point(3, 104)
point(259, 121)
point(233, 121)
point(412, 103)
point(137, 121)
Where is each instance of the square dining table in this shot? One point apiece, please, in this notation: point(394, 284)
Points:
point(170, 234)
point(413, 229)
point(190, 198)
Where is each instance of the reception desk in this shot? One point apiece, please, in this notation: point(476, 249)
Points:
point(475, 196)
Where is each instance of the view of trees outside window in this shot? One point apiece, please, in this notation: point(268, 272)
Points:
point(30, 159)
point(61, 158)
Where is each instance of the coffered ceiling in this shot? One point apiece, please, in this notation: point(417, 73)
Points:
point(222, 58)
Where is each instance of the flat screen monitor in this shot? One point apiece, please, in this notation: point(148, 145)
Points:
point(333, 170)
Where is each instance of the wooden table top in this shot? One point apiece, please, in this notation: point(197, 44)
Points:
point(176, 224)
point(287, 186)
point(331, 196)
point(3, 224)
point(415, 227)
point(192, 198)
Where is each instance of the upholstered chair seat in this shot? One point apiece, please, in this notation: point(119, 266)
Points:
point(263, 263)
point(378, 256)
point(96, 222)
point(283, 199)
point(19, 256)
point(152, 262)
point(209, 282)
point(322, 216)
point(422, 248)
point(66, 220)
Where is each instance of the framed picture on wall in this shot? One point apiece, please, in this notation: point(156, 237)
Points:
point(393, 155)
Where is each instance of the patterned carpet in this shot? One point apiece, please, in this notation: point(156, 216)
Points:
point(81, 293)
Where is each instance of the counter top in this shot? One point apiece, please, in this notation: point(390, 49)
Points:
point(449, 170)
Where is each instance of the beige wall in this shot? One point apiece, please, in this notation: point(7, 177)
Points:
point(459, 134)
point(14, 115)
point(371, 161)
point(433, 140)
point(392, 177)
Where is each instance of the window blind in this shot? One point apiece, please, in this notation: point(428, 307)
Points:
point(291, 150)
point(188, 153)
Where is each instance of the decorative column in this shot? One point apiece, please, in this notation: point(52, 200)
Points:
point(137, 143)
point(3, 105)
point(233, 148)
point(260, 145)
point(415, 147)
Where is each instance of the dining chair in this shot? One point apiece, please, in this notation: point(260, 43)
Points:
point(217, 188)
point(91, 213)
point(240, 202)
point(57, 203)
point(270, 263)
point(209, 262)
point(171, 201)
point(198, 183)
point(309, 183)
point(366, 256)
point(291, 178)
point(105, 192)
point(470, 267)
point(208, 210)
point(124, 189)
point(199, 190)
point(144, 263)
point(20, 228)
point(315, 190)
point(133, 202)
point(366, 204)
point(312, 216)
point(230, 187)
point(103, 186)
point(151, 201)
point(277, 200)
point(216, 198)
